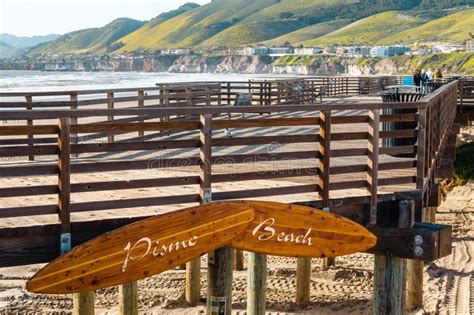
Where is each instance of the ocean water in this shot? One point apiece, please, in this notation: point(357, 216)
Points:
point(19, 81)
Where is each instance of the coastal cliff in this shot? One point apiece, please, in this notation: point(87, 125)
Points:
point(456, 63)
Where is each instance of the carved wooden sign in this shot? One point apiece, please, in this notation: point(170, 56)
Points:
point(297, 231)
point(143, 249)
point(151, 246)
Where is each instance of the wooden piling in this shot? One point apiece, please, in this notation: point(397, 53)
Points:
point(128, 301)
point(324, 166)
point(414, 285)
point(193, 268)
point(389, 285)
point(239, 260)
point(256, 283)
point(219, 280)
point(391, 273)
point(83, 303)
point(303, 282)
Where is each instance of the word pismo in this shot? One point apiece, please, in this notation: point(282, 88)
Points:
point(137, 251)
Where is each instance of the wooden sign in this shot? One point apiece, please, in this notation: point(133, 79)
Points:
point(144, 248)
point(151, 246)
point(297, 231)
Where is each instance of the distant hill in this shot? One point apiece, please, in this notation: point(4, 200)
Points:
point(308, 33)
point(231, 23)
point(25, 41)
point(369, 30)
point(8, 51)
point(96, 40)
point(234, 23)
point(455, 27)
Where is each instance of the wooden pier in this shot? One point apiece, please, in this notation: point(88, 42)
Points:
point(168, 144)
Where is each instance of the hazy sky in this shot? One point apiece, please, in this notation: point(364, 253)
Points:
point(41, 17)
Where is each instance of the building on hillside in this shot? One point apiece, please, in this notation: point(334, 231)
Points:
point(389, 51)
point(398, 50)
point(470, 45)
point(251, 51)
point(359, 51)
point(379, 51)
point(281, 51)
point(308, 51)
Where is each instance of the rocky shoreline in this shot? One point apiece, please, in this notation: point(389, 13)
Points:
point(304, 65)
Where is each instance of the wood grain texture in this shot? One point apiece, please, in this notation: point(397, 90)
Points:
point(298, 231)
point(106, 261)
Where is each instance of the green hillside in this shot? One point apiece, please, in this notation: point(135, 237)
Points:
point(455, 27)
point(231, 23)
point(97, 40)
point(308, 33)
point(369, 30)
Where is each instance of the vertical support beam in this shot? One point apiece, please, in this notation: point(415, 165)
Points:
point(74, 120)
point(390, 273)
point(110, 118)
point(414, 298)
point(219, 281)
point(389, 285)
point(324, 166)
point(373, 163)
point(220, 261)
point(239, 260)
point(141, 104)
point(256, 284)
point(29, 122)
point(128, 301)
point(208, 96)
point(303, 282)
point(193, 268)
point(83, 303)
point(64, 181)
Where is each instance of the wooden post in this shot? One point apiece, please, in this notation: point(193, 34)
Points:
point(110, 118)
point(128, 301)
point(414, 298)
point(83, 302)
point(389, 285)
point(64, 182)
point(189, 100)
point(303, 282)
point(239, 260)
point(324, 165)
point(391, 274)
point(29, 122)
point(373, 163)
point(74, 120)
point(219, 280)
point(220, 261)
point(256, 283)
point(141, 104)
point(193, 268)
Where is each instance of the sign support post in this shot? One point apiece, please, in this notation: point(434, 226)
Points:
point(256, 283)
point(83, 302)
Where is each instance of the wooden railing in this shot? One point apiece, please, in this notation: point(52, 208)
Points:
point(361, 139)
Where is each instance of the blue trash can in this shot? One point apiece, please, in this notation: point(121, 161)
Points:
point(407, 80)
